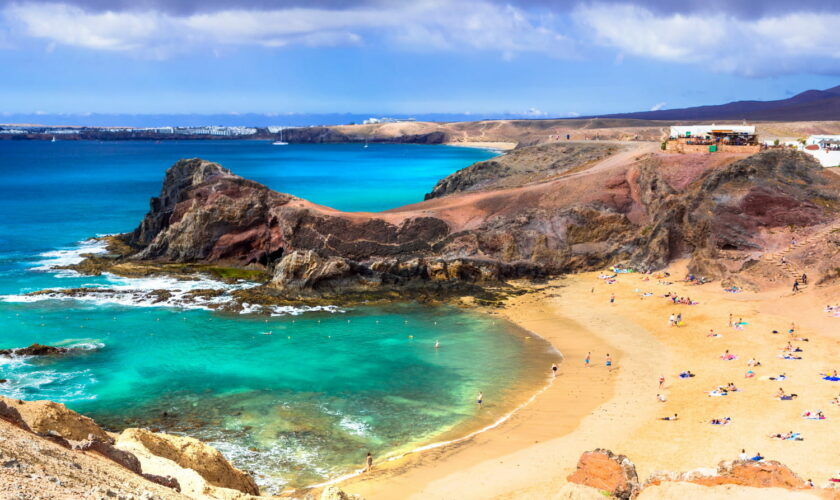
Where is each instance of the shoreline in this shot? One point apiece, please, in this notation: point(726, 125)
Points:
point(534, 422)
point(619, 410)
point(491, 145)
point(436, 444)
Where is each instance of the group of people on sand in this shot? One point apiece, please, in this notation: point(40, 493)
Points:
point(833, 310)
point(587, 361)
point(675, 320)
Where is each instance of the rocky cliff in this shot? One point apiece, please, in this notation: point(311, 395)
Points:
point(524, 166)
point(632, 207)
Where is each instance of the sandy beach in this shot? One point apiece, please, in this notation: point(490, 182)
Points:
point(530, 455)
point(501, 146)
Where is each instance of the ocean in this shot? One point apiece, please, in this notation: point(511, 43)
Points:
point(296, 395)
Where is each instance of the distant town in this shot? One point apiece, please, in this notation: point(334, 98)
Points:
point(47, 132)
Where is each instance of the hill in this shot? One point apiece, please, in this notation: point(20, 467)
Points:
point(808, 106)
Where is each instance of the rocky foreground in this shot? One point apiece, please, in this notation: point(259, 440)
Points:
point(536, 212)
point(49, 451)
point(601, 473)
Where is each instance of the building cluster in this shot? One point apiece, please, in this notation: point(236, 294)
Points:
point(373, 121)
point(209, 130)
point(712, 138)
point(825, 148)
point(743, 138)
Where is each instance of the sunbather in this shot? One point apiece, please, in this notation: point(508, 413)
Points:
point(670, 418)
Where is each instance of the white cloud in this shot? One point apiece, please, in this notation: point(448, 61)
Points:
point(534, 112)
point(419, 25)
point(658, 106)
point(768, 45)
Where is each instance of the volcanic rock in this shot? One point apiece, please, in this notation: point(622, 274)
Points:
point(604, 470)
point(192, 454)
point(48, 417)
point(34, 350)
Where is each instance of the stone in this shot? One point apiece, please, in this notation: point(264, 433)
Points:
point(34, 350)
point(109, 451)
point(50, 418)
point(335, 493)
point(604, 470)
point(168, 481)
point(192, 454)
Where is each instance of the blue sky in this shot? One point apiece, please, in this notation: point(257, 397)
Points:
point(534, 58)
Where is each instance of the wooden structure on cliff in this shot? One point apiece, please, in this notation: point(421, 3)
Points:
point(713, 138)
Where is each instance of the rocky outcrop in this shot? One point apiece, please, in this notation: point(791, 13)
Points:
point(191, 454)
point(167, 481)
point(602, 473)
point(764, 474)
point(10, 414)
point(34, 350)
point(109, 451)
point(50, 418)
point(639, 211)
point(523, 166)
point(606, 471)
point(334, 493)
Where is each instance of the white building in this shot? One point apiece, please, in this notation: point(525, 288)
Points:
point(825, 148)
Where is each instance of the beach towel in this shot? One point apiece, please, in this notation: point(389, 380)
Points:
point(831, 379)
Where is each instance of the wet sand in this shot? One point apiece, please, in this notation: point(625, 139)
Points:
point(530, 455)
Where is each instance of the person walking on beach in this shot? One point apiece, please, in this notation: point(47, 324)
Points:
point(730, 320)
point(671, 320)
point(795, 286)
point(479, 399)
point(661, 381)
point(588, 357)
point(554, 369)
point(612, 298)
point(368, 462)
point(609, 362)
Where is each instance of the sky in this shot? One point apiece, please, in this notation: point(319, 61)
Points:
point(530, 58)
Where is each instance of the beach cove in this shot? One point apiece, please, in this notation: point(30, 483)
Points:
point(531, 455)
point(297, 395)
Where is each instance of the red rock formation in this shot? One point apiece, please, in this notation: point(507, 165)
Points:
point(604, 470)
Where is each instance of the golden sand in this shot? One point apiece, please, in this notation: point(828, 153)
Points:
point(530, 455)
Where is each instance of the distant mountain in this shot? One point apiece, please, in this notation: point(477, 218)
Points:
point(811, 105)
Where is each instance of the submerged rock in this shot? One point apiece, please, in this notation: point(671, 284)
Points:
point(35, 350)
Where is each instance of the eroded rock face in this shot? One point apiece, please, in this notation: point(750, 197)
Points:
point(606, 471)
point(522, 166)
point(107, 450)
point(192, 454)
point(643, 213)
point(48, 417)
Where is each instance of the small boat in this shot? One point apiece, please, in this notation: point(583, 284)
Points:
point(53, 139)
point(280, 142)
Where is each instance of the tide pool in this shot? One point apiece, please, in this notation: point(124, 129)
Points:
point(296, 397)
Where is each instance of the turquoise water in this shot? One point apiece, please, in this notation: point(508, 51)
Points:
point(298, 396)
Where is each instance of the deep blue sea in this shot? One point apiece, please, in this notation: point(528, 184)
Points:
point(296, 396)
